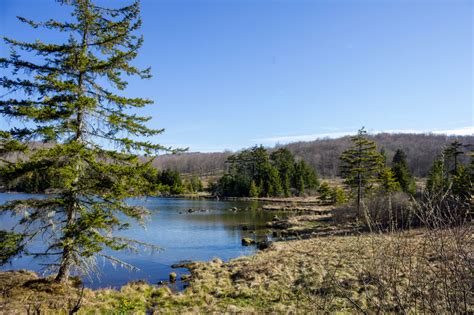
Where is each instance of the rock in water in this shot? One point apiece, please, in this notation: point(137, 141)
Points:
point(182, 264)
point(173, 277)
point(247, 241)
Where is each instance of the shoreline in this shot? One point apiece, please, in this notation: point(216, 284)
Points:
point(307, 199)
point(321, 274)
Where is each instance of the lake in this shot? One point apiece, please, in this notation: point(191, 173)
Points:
point(210, 231)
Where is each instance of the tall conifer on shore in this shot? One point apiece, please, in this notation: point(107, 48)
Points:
point(361, 164)
point(69, 96)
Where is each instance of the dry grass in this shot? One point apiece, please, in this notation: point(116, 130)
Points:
point(298, 208)
point(400, 272)
point(23, 292)
point(427, 271)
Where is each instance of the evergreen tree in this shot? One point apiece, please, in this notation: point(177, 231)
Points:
point(196, 183)
point(447, 172)
point(69, 97)
point(284, 162)
point(307, 173)
point(325, 192)
point(300, 185)
point(188, 186)
point(226, 186)
point(242, 168)
point(253, 190)
point(437, 179)
point(286, 184)
point(401, 172)
point(452, 153)
point(271, 181)
point(338, 196)
point(311, 178)
point(360, 164)
point(383, 154)
point(12, 244)
point(170, 181)
point(388, 181)
point(462, 183)
point(260, 187)
point(253, 164)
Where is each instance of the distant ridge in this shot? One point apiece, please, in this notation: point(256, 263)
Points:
point(323, 154)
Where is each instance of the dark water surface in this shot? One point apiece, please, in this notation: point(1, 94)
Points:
point(209, 232)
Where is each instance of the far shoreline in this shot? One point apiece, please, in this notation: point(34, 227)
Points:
point(293, 199)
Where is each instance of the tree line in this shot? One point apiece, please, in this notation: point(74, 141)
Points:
point(165, 182)
point(323, 154)
point(171, 182)
point(258, 173)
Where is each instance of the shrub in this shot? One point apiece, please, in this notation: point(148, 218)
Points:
point(345, 214)
point(388, 211)
point(338, 196)
point(325, 192)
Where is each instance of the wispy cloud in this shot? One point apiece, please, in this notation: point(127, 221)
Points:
point(293, 138)
point(466, 131)
point(286, 139)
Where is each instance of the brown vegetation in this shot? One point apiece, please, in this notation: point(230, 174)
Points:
point(428, 271)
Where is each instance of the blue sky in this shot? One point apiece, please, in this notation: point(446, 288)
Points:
point(231, 74)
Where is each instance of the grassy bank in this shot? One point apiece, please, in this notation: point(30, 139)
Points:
point(425, 271)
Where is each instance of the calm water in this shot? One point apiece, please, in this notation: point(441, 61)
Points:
point(198, 236)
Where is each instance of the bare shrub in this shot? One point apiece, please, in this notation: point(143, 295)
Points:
point(344, 214)
point(381, 212)
point(441, 209)
point(388, 211)
point(425, 270)
point(428, 271)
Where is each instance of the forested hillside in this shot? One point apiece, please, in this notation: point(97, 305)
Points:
point(323, 154)
point(194, 163)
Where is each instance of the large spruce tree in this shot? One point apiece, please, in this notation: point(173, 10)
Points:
point(452, 154)
point(402, 173)
point(360, 164)
point(437, 177)
point(284, 161)
point(68, 96)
